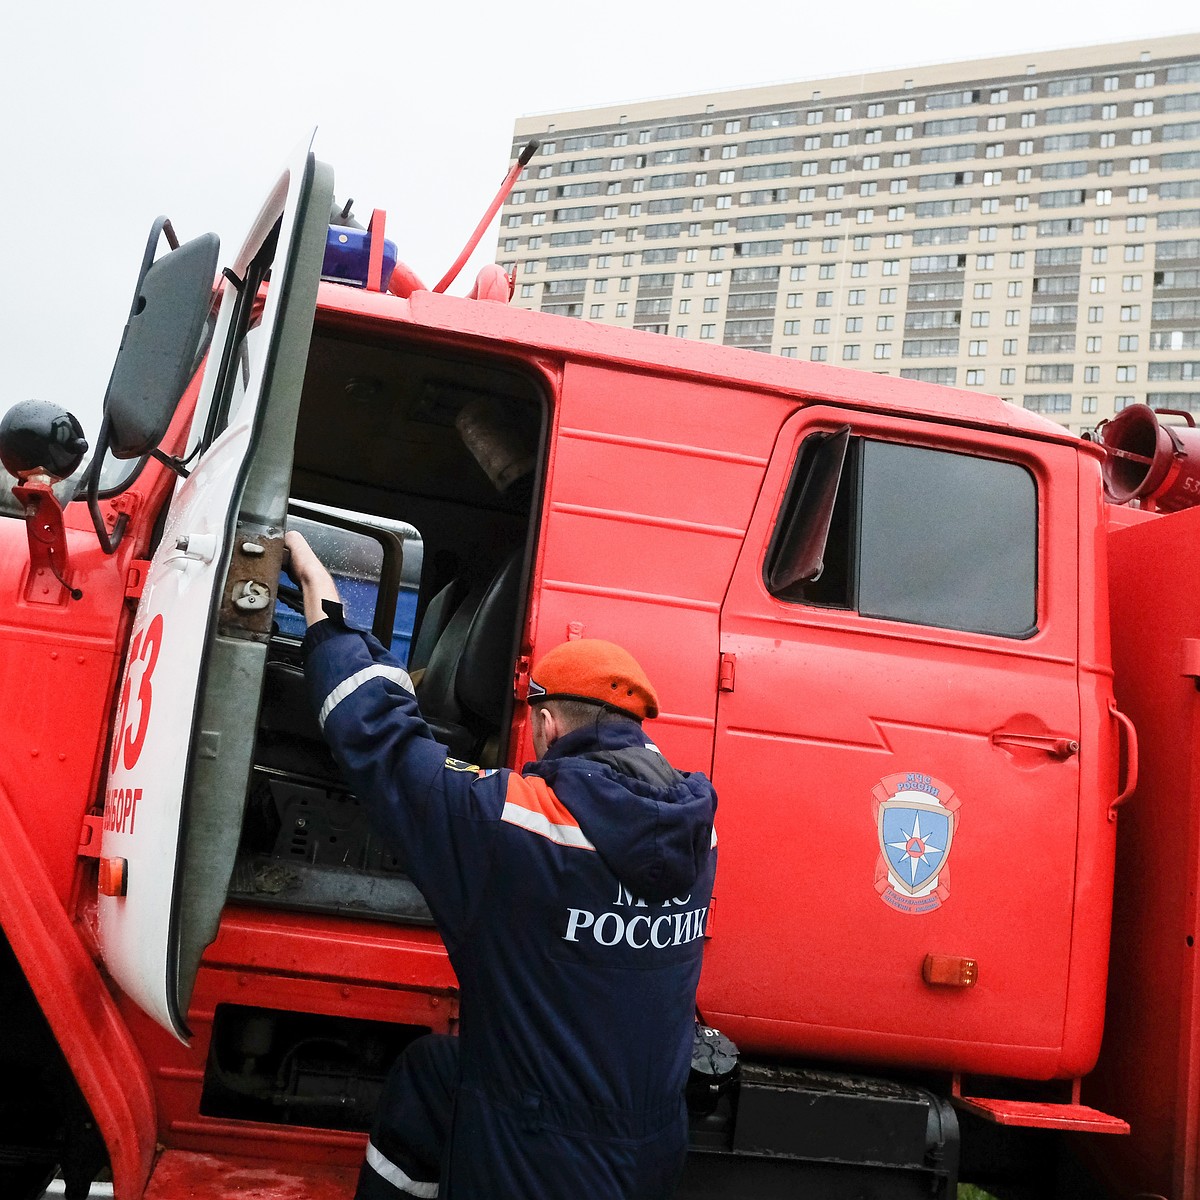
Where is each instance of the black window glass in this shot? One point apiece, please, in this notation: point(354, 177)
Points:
point(919, 535)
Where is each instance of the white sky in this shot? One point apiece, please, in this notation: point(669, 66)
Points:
point(115, 112)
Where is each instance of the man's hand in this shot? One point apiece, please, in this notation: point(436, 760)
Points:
point(309, 572)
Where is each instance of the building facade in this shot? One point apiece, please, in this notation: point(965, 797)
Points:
point(1028, 227)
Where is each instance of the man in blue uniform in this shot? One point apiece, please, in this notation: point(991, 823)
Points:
point(572, 898)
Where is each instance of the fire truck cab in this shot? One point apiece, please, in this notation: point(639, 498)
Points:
point(875, 612)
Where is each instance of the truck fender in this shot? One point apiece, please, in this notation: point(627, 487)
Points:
point(95, 1040)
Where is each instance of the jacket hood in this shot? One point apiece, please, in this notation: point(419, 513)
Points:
point(650, 824)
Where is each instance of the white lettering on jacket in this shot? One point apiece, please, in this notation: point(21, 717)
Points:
point(639, 931)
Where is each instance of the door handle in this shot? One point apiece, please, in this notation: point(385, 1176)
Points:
point(1054, 744)
point(1125, 725)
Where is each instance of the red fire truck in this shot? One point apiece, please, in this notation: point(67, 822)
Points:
point(945, 684)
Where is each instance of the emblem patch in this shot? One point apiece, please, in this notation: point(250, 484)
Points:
point(916, 817)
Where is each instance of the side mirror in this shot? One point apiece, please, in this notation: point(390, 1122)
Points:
point(170, 304)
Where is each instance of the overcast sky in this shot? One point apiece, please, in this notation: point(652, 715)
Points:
point(115, 112)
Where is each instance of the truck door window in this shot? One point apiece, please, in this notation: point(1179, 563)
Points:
point(919, 535)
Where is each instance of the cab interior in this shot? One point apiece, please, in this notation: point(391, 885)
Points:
point(432, 459)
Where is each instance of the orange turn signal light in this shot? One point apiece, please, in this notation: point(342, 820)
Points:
point(114, 877)
point(948, 970)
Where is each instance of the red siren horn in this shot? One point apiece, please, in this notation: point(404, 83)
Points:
point(1149, 461)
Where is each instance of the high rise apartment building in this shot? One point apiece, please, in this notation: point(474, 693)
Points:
point(1026, 226)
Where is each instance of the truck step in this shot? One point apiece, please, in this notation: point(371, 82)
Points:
point(1039, 1114)
point(180, 1173)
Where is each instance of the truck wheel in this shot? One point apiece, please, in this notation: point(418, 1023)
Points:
point(26, 1181)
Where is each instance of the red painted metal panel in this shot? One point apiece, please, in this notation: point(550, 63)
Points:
point(646, 510)
point(1149, 1069)
point(828, 706)
point(179, 1174)
point(292, 962)
point(96, 1042)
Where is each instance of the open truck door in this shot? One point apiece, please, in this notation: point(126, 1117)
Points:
point(183, 736)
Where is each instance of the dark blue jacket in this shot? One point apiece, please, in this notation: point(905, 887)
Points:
point(572, 898)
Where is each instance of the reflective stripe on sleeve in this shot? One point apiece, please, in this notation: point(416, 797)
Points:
point(386, 1169)
point(349, 686)
point(536, 822)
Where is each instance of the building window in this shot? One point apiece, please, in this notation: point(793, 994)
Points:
point(980, 320)
point(1088, 404)
point(891, 266)
point(824, 299)
point(1099, 254)
point(821, 325)
point(977, 349)
point(712, 304)
point(1012, 316)
point(1127, 343)
point(887, 295)
point(1131, 312)
point(851, 353)
point(841, 114)
point(885, 322)
point(827, 270)
point(1127, 374)
point(854, 324)
point(685, 307)
point(904, 133)
point(883, 350)
point(1144, 80)
point(795, 299)
point(1095, 314)
point(1091, 374)
point(1093, 344)
point(788, 352)
point(1008, 376)
point(975, 378)
point(622, 309)
point(1138, 195)
point(1143, 108)
point(1135, 253)
point(856, 296)
point(858, 270)
point(707, 332)
point(1131, 283)
point(791, 328)
point(906, 106)
point(1009, 346)
point(1028, 120)
point(984, 262)
point(1096, 283)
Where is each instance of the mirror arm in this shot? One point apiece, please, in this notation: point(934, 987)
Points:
point(108, 543)
point(173, 464)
